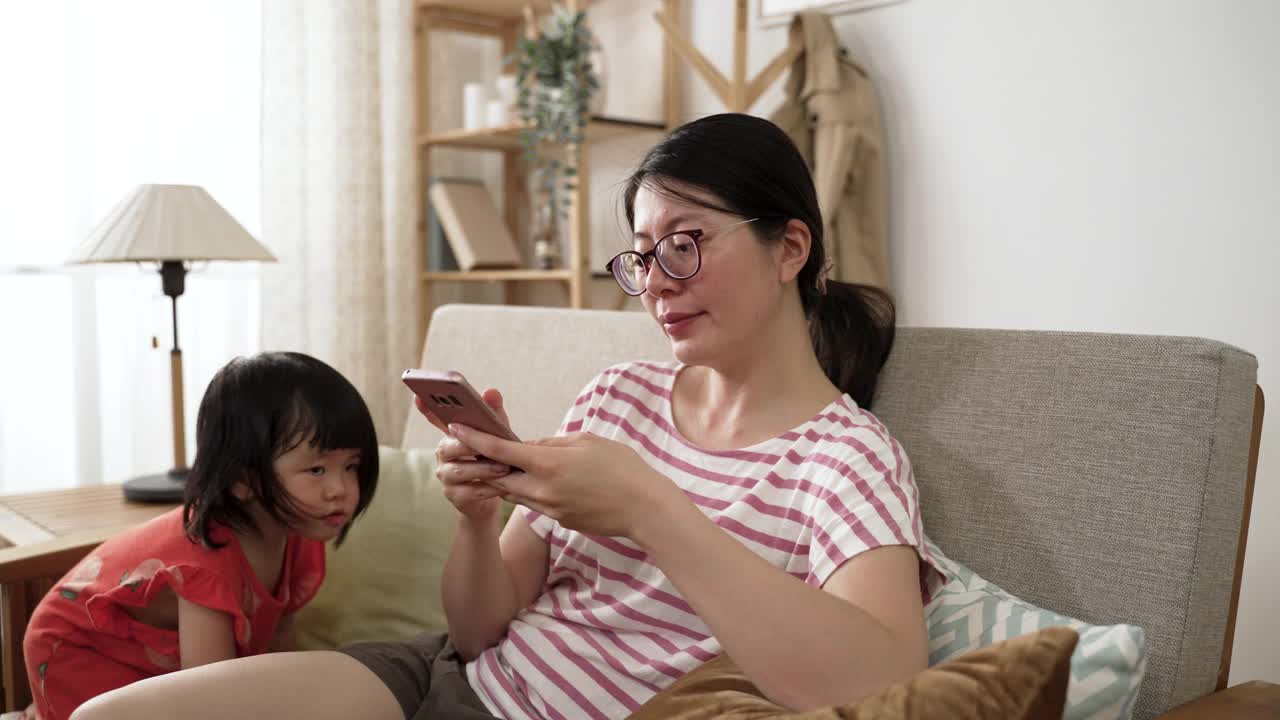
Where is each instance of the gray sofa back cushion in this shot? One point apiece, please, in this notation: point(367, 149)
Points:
point(1100, 476)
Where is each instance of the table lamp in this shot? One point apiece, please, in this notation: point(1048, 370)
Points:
point(171, 225)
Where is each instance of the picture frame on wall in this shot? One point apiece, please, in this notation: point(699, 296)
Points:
point(780, 12)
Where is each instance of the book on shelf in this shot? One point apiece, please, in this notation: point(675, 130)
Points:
point(471, 223)
point(439, 254)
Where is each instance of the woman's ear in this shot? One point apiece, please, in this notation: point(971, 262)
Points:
point(795, 244)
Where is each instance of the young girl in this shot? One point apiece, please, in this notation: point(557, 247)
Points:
point(287, 457)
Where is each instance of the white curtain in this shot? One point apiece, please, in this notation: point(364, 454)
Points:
point(338, 205)
point(101, 97)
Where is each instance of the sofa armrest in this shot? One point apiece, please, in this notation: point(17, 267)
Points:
point(1255, 700)
point(27, 572)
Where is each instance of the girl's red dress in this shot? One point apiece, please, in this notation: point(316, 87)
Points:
point(82, 642)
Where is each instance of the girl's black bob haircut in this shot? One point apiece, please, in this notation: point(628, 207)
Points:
point(256, 409)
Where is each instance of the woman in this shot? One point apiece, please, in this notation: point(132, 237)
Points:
point(739, 500)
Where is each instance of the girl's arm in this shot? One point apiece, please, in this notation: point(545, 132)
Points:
point(204, 635)
point(803, 647)
point(489, 577)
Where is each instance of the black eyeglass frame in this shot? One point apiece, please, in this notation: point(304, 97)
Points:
point(652, 255)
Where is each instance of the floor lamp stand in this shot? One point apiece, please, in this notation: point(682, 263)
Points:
point(168, 487)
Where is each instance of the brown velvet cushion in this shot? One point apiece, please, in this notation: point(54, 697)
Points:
point(1025, 677)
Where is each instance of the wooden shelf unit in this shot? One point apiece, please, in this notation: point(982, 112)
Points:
point(495, 9)
point(504, 20)
point(507, 137)
point(530, 275)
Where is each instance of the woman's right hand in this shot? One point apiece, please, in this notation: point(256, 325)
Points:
point(463, 477)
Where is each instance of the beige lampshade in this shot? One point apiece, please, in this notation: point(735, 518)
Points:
point(155, 223)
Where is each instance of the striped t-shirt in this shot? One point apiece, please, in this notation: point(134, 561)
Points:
point(609, 630)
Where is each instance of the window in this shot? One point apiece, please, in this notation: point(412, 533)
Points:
point(102, 97)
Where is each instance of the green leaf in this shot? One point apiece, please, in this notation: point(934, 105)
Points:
point(557, 59)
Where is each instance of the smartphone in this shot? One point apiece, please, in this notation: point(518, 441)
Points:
point(451, 398)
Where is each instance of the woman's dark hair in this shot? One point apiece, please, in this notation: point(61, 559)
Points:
point(256, 409)
point(751, 169)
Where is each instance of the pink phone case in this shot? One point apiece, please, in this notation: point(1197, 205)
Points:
point(451, 398)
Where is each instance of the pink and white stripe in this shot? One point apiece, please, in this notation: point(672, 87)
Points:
point(609, 630)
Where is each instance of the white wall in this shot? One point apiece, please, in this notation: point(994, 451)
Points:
point(1085, 165)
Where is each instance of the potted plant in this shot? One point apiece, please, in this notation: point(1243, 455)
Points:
point(555, 81)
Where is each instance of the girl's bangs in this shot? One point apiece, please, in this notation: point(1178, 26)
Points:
point(326, 420)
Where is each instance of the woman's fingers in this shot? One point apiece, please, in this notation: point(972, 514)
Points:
point(450, 449)
point(470, 471)
point(467, 493)
point(531, 504)
point(494, 399)
point(523, 490)
point(513, 453)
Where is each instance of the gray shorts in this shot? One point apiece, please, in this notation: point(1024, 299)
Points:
point(425, 674)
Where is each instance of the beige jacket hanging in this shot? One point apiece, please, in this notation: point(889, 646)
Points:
point(832, 113)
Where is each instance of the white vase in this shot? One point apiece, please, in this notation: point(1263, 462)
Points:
point(496, 114)
point(473, 105)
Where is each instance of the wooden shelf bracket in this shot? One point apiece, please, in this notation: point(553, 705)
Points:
point(738, 94)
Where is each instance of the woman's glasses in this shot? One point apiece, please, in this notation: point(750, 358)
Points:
point(677, 254)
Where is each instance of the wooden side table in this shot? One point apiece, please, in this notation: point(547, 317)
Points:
point(42, 536)
point(39, 517)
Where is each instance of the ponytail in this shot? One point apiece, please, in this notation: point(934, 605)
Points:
point(852, 329)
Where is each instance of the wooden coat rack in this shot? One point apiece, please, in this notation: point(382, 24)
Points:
point(738, 94)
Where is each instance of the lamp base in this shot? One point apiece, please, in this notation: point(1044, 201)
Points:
point(168, 488)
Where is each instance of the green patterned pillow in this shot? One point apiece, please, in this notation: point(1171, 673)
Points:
point(1106, 668)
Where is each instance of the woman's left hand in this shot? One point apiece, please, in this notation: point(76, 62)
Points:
point(585, 482)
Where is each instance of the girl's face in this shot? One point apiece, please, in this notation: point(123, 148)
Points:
point(719, 312)
point(324, 485)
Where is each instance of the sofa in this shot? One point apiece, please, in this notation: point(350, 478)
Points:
point(1107, 477)
point(1104, 476)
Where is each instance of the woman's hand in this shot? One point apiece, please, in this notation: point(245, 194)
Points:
point(585, 482)
point(461, 474)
